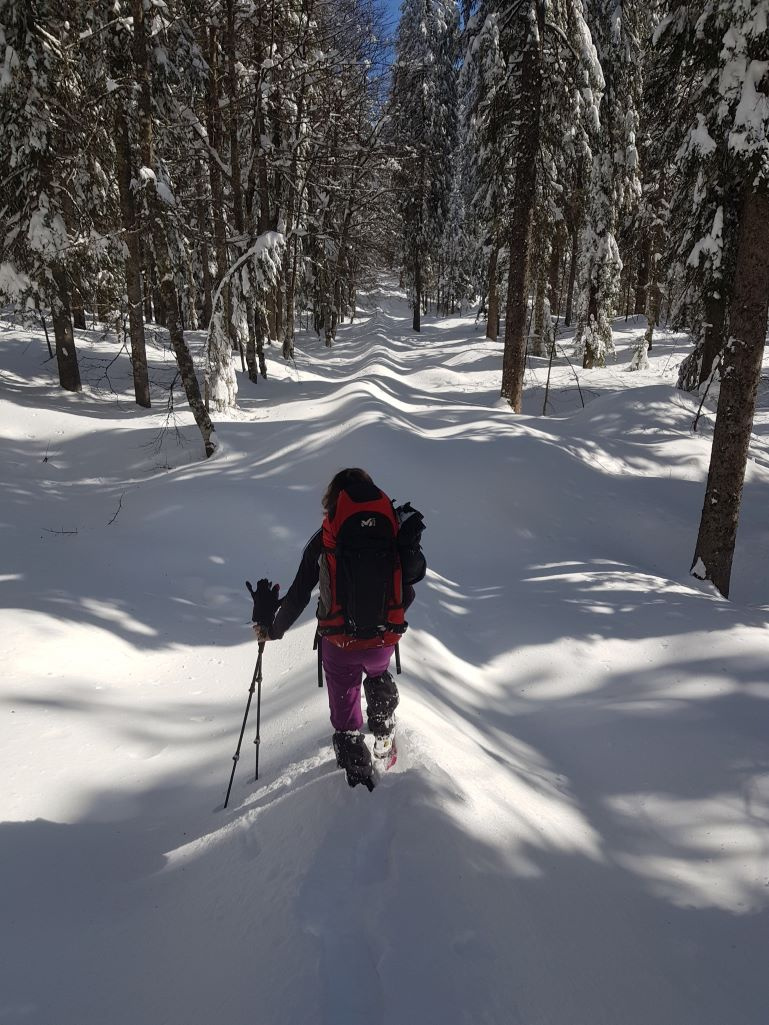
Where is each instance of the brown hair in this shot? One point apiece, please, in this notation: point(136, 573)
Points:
point(340, 482)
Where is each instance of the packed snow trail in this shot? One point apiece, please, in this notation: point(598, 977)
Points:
point(577, 828)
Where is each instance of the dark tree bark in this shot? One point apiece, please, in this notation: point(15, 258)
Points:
point(642, 278)
point(146, 281)
point(66, 353)
point(713, 333)
point(554, 270)
point(216, 139)
point(202, 215)
point(133, 274)
point(653, 289)
point(492, 318)
point(416, 323)
point(151, 273)
point(529, 117)
point(740, 375)
point(538, 343)
point(78, 310)
point(572, 277)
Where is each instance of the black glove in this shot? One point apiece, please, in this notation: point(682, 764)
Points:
point(266, 601)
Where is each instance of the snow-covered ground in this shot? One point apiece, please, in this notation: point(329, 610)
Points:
point(577, 829)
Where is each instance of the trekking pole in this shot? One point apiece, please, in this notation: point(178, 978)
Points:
point(317, 647)
point(257, 738)
point(397, 659)
point(256, 678)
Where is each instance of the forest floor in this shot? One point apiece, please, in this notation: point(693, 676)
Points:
point(577, 828)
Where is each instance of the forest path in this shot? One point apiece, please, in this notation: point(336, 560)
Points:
point(576, 830)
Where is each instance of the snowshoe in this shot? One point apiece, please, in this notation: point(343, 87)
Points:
point(354, 757)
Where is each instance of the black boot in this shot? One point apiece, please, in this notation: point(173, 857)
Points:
point(354, 757)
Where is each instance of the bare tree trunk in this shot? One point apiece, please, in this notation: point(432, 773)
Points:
point(529, 119)
point(653, 290)
point(78, 310)
point(288, 342)
point(416, 323)
point(215, 133)
point(713, 335)
point(554, 270)
point(133, 273)
point(66, 353)
point(572, 276)
point(492, 317)
point(146, 279)
point(741, 372)
point(157, 296)
point(538, 346)
point(205, 258)
point(261, 333)
point(642, 279)
point(653, 303)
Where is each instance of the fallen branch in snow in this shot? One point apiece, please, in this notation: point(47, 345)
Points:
point(119, 507)
point(171, 421)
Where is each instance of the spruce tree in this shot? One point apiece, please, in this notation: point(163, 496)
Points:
point(423, 129)
point(730, 123)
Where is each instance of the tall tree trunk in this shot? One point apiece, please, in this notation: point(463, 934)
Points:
point(66, 353)
point(146, 278)
point(205, 258)
point(590, 359)
point(288, 342)
point(554, 270)
point(538, 340)
point(157, 219)
point(740, 375)
point(492, 317)
point(522, 205)
point(713, 333)
point(262, 332)
point(133, 274)
point(216, 140)
point(653, 289)
point(158, 305)
point(642, 278)
point(572, 276)
point(236, 181)
point(78, 310)
point(416, 323)
point(653, 303)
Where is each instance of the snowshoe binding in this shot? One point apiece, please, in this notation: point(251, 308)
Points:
point(385, 751)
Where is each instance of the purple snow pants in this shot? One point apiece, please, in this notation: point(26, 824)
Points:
point(344, 674)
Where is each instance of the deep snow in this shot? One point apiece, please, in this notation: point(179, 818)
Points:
point(577, 829)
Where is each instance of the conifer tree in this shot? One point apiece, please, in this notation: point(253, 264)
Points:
point(704, 203)
point(614, 183)
point(42, 140)
point(730, 123)
point(485, 142)
point(423, 129)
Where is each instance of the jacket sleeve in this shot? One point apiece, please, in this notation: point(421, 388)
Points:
point(297, 597)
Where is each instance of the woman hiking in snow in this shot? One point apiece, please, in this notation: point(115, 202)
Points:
point(366, 557)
